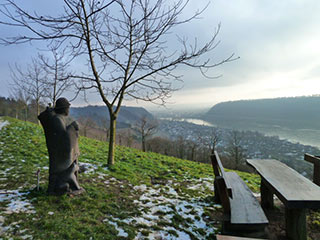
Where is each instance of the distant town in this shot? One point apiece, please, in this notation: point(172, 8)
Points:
point(255, 144)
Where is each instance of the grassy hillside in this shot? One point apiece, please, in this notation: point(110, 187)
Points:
point(144, 196)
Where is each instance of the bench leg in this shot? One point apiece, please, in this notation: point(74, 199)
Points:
point(266, 196)
point(296, 226)
point(316, 174)
point(216, 192)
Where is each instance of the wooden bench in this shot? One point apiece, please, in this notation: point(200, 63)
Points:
point(296, 192)
point(315, 160)
point(242, 211)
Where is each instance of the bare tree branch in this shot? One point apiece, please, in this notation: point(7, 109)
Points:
point(125, 45)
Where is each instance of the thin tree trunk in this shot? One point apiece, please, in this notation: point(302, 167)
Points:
point(38, 112)
point(26, 114)
point(143, 143)
point(112, 140)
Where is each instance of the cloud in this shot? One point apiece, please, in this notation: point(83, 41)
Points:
point(277, 41)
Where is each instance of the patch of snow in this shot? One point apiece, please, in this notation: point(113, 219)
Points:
point(106, 168)
point(156, 205)
point(181, 235)
point(172, 191)
point(89, 167)
point(17, 202)
point(195, 187)
point(257, 195)
point(121, 233)
point(7, 170)
point(3, 124)
point(140, 188)
point(165, 234)
point(26, 237)
point(203, 184)
point(140, 221)
point(102, 175)
point(217, 206)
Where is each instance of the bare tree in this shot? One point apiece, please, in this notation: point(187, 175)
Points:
point(235, 150)
point(22, 100)
point(181, 144)
point(129, 137)
point(214, 139)
point(86, 123)
point(146, 127)
point(29, 83)
point(209, 142)
point(104, 126)
point(58, 79)
point(125, 43)
point(193, 146)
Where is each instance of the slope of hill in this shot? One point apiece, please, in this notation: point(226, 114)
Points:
point(297, 112)
point(127, 115)
point(145, 195)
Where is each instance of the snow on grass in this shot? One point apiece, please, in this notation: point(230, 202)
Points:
point(202, 184)
point(17, 202)
point(3, 124)
point(180, 216)
point(13, 227)
point(121, 232)
point(6, 171)
point(88, 167)
point(157, 204)
point(14, 202)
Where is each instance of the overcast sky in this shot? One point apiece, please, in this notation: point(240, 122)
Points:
point(278, 43)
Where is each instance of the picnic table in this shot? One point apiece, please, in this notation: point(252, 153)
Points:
point(296, 192)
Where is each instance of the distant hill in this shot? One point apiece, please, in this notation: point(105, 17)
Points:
point(127, 115)
point(293, 112)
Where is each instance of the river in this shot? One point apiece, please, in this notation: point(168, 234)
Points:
point(191, 120)
point(301, 135)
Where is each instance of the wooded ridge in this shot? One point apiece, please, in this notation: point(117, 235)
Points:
point(291, 112)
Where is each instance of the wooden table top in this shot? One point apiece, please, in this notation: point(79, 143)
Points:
point(294, 190)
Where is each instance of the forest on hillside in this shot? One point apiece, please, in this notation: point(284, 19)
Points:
point(293, 112)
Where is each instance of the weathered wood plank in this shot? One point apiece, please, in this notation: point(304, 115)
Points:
point(245, 208)
point(315, 160)
point(294, 190)
point(215, 165)
point(312, 159)
point(225, 237)
point(219, 170)
point(223, 194)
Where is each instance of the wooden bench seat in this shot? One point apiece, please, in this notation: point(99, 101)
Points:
point(243, 213)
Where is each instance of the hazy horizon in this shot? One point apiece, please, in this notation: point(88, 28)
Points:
point(277, 43)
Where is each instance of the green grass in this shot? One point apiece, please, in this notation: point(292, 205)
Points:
point(112, 200)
